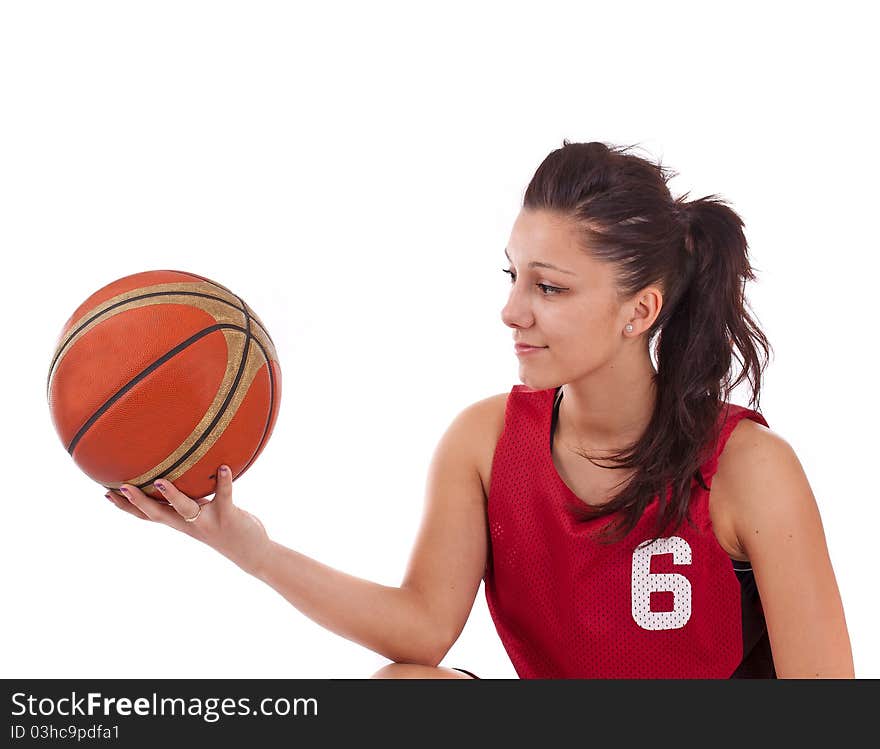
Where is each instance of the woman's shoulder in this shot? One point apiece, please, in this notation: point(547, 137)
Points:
point(753, 457)
point(754, 453)
point(483, 423)
point(749, 438)
point(488, 416)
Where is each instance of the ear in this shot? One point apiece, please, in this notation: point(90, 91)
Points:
point(643, 309)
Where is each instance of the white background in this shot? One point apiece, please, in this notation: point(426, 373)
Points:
point(353, 172)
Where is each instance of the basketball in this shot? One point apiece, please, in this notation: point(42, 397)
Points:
point(164, 374)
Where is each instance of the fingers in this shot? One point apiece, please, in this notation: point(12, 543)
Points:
point(223, 494)
point(123, 504)
point(149, 507)
point(179, 507)
point(183, 505)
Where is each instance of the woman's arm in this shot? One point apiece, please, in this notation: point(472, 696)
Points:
point(414, 623)
point(779, 527)
point(419, 621)
point(394, 622)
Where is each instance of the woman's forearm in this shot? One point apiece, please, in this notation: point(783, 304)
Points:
point(393, 622)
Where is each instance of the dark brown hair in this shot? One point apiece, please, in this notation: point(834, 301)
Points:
point(697, 253)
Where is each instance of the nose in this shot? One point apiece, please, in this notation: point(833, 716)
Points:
point(516, 313)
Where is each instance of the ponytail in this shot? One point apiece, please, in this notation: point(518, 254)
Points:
point(698, 252)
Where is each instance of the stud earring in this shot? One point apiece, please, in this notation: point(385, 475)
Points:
point(629, 328)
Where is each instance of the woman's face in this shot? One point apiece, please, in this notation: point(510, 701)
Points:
point(572, 310)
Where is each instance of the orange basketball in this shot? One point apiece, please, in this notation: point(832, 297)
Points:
point(164, 374)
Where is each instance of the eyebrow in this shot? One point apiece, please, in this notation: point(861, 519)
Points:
point(538, 264)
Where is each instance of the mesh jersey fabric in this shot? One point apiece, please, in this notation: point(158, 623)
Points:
point(567, 606)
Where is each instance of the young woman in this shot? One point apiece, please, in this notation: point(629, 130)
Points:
point(628, 521)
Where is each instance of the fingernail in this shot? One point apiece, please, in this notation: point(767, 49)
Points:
point(224, 469)
point(159, 485)
point(124, 490)
point(108, 495)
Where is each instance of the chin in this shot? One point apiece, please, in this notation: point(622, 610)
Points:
point(536, 381)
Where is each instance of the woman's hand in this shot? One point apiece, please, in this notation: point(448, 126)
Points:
point(235, 533)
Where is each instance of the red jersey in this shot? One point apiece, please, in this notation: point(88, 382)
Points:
point(567, 606)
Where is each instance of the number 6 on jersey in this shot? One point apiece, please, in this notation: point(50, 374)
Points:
point(644, 583)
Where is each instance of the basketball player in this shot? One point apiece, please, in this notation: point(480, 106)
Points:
point(628, 521)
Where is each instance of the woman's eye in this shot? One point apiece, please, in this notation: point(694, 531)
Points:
point(545, 288)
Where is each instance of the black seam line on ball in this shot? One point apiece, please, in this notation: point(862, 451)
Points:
point(271, 392)
point(151, 368)
point(202, 438)
point(243, 305)
point(271, 407)
point(250, 337)
point(94, 317)
point(220, 411)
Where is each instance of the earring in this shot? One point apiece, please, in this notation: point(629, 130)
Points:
point(629, 328)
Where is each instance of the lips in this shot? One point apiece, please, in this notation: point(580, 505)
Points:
point(525, 347)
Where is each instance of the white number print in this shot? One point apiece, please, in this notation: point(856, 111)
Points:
point(644, 583)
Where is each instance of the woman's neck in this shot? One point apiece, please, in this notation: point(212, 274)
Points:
point(609, 409)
